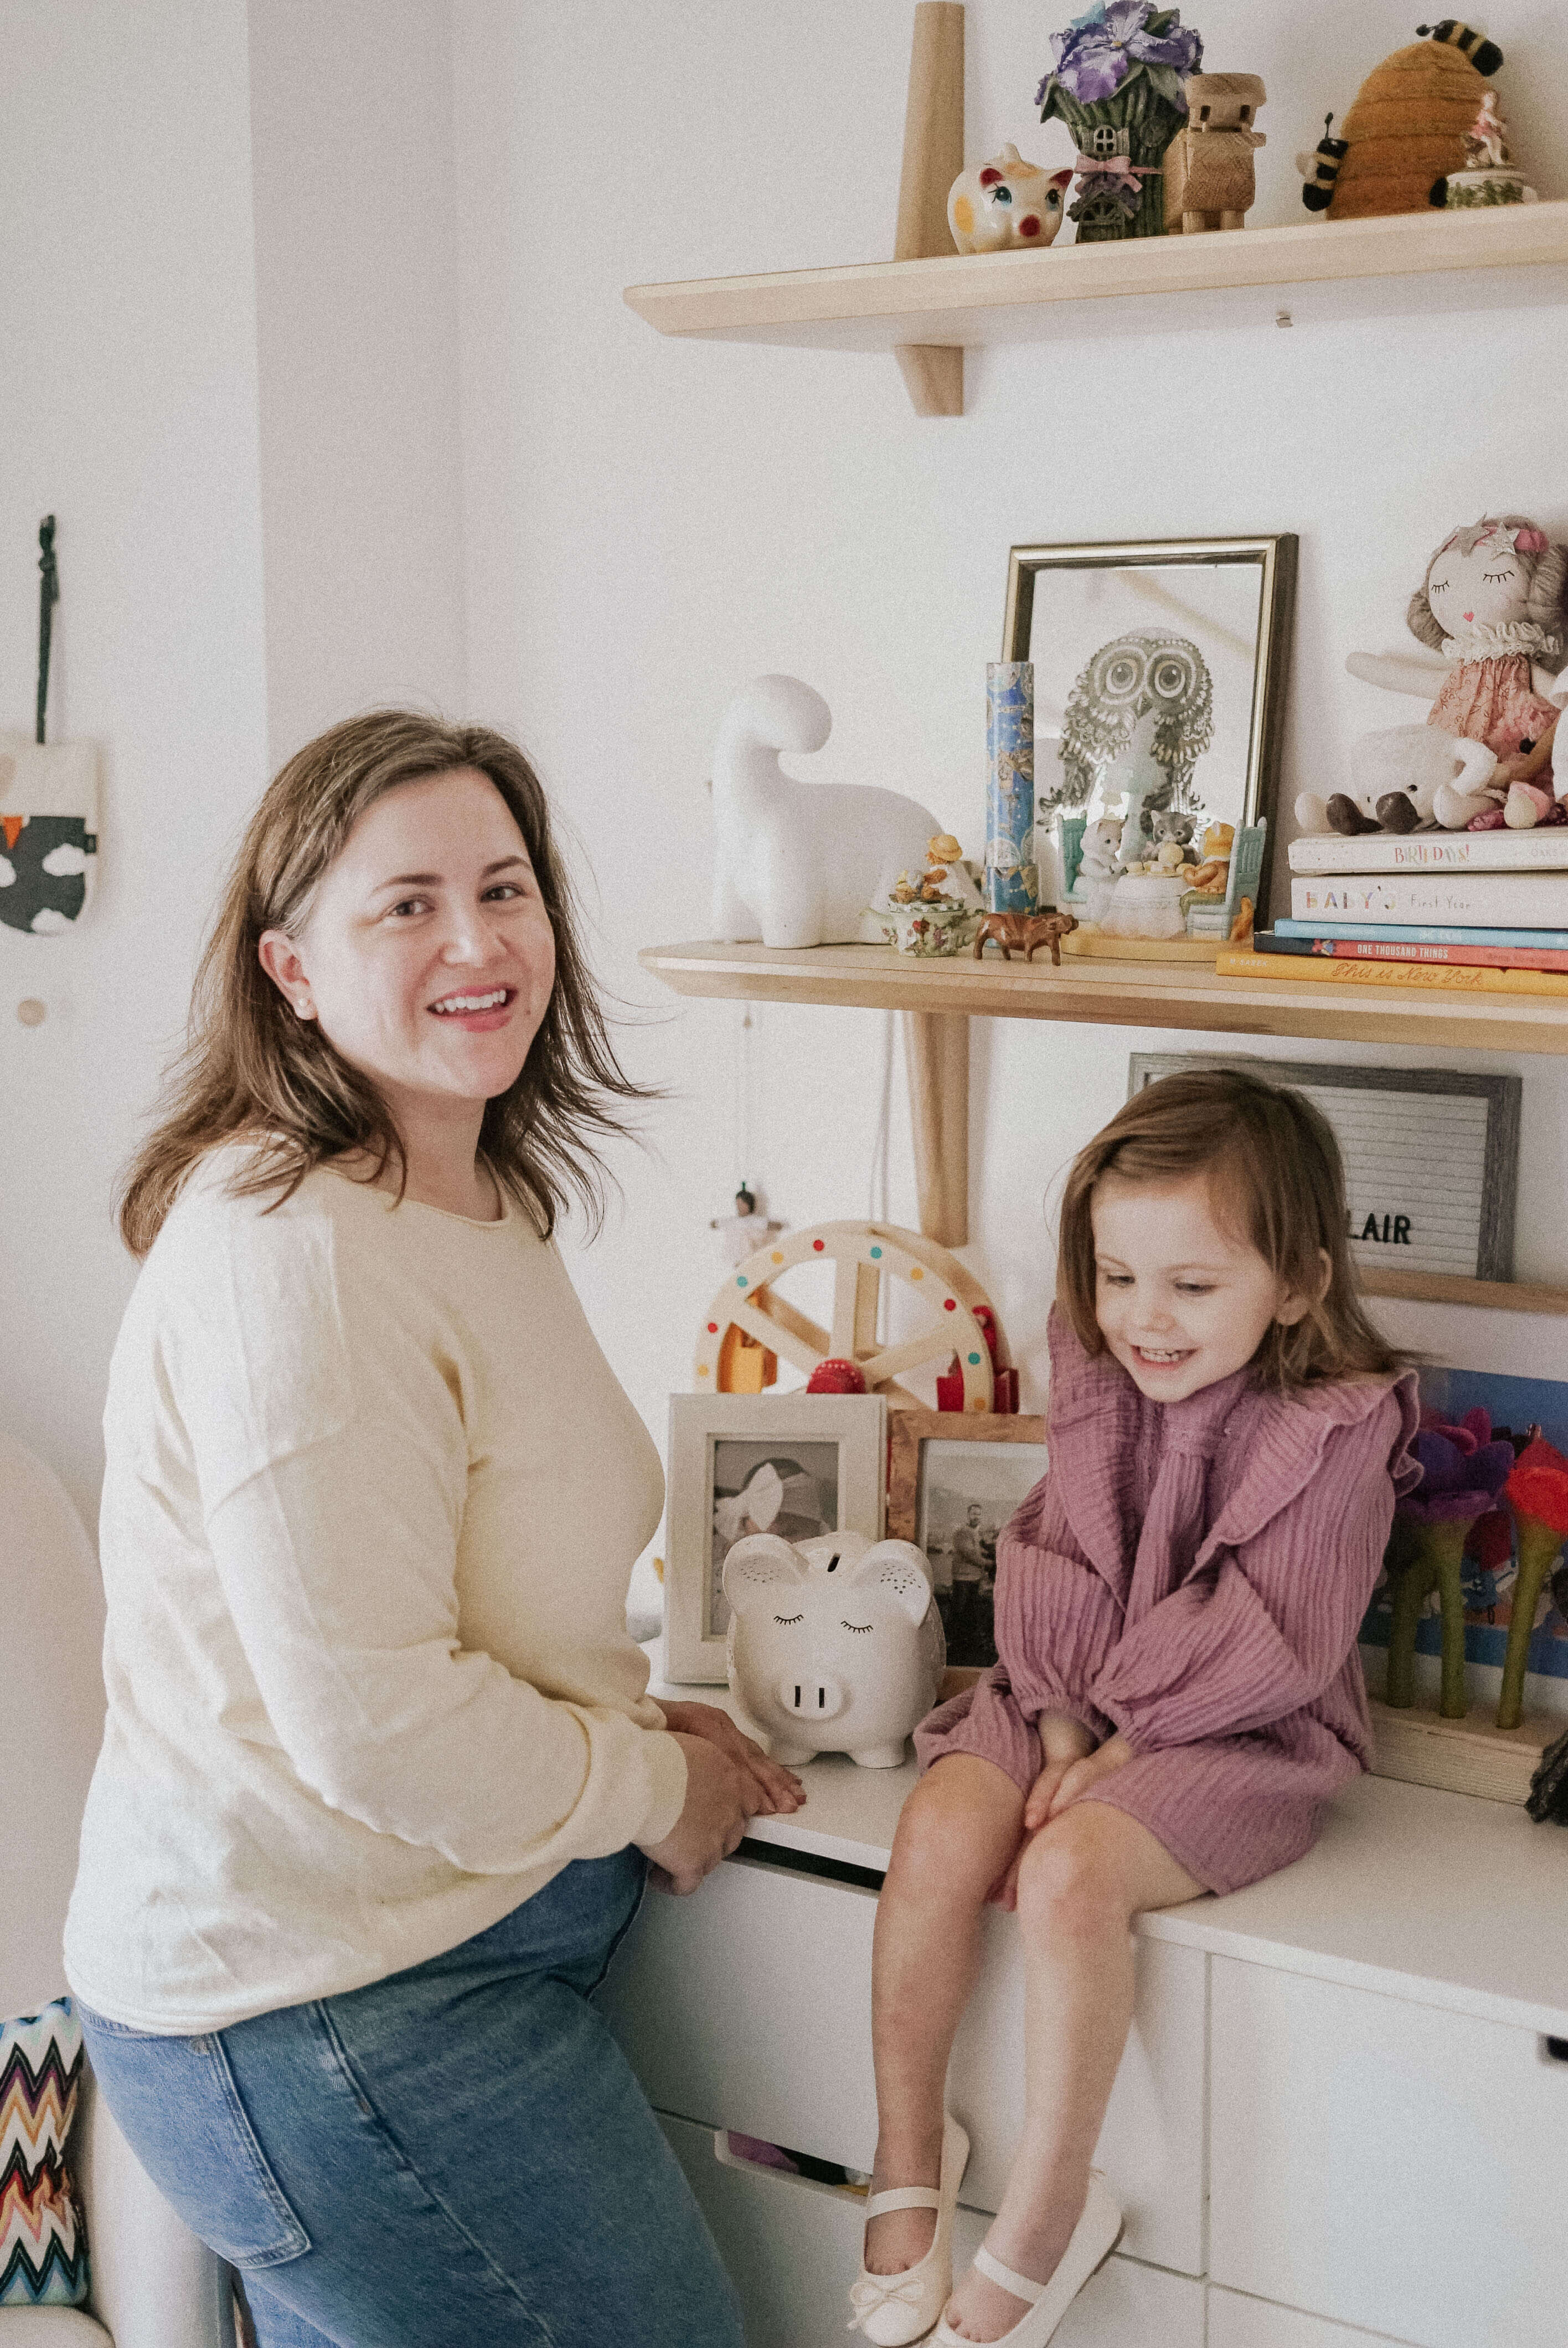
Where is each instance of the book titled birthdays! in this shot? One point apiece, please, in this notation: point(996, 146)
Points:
point(1545, 850)
point(1487, 957)
point(1441, 977)
point(1514, 901)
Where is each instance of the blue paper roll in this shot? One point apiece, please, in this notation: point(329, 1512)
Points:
point(1012, 878)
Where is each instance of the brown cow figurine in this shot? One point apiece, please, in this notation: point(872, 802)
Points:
point(1027, 932)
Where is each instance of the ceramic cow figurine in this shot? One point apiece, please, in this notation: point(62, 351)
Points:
point(835, 1645)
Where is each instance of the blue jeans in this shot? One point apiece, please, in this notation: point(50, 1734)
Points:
point(458, 2157)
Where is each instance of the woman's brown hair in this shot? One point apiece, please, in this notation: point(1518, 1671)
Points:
point(1274, 1167)
point(252, 1070)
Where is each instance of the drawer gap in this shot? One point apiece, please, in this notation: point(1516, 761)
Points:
point(807, 1863)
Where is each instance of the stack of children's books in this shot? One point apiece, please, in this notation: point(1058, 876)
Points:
point(1479, 911)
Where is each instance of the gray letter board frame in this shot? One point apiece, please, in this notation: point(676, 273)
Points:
point(1500, 1174)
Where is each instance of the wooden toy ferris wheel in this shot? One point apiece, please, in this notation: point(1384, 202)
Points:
point(749, 1324)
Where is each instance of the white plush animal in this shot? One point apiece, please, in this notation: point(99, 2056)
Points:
point(834, 1646)
point(798, 864)
point(1406, 775)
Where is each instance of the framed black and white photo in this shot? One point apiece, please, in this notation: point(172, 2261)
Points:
point(795, 1464)
point(1431, 1156)
point(953, 1482)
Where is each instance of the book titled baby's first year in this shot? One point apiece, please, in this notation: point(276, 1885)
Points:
point(1542, 851)
point(1514, 901)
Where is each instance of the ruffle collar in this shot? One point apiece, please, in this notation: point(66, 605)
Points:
point(1500, 639)
point(1097, 1418)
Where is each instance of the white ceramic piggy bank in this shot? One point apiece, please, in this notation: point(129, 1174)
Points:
point(1006, 202)
point(835, 1646)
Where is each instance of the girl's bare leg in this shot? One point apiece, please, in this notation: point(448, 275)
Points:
point(958, 1834)
point(1083, 1879)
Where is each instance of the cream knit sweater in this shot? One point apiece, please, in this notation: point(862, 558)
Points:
point(373, 1495)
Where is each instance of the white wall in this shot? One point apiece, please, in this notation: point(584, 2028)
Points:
point(128, 407)
point(228, 285)
point(356, 322)
point(651, 522)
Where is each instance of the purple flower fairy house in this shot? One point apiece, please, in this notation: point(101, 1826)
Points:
point(1116, 82)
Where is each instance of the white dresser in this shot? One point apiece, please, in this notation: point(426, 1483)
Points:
point(1339, 2116)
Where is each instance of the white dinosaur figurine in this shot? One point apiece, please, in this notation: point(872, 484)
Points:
point(799, 864)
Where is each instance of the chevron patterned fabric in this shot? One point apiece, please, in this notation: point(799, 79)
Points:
point(42, 2241)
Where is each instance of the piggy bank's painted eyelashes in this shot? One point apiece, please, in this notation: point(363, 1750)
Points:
point(854, 1626)
point(789, 1618)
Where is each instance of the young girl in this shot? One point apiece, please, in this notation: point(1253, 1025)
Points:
point(1179, 1692)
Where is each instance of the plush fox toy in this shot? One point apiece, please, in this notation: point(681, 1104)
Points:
point(1406, 131)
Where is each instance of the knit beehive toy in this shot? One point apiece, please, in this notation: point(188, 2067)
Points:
point(1405, 132)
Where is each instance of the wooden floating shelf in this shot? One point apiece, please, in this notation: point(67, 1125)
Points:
point(941, 996)
point(973, 299)
point(1105, 994)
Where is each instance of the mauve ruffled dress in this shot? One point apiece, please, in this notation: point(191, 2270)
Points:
point(1194, 1574)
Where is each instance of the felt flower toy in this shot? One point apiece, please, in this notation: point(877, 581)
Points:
point(1462, 1472)
point(1537, 1492)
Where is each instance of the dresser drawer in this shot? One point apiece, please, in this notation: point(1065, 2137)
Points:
point(1387, 2163)
point(793, 2250)
point(749, 2006)
point(1237, 2323)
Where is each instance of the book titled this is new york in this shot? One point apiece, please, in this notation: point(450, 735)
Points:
point(1545, 850)
point(1511, 900)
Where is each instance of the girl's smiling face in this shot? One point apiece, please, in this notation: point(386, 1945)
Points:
point(1181, 1299)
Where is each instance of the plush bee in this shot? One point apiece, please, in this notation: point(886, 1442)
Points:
point(1405, 132)
point(1320, 170)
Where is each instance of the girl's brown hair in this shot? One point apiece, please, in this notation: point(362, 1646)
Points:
point(1274, 1167)
point(252, 1070)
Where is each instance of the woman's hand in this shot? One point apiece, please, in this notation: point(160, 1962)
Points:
point(720, 1796)
point(780, 1787)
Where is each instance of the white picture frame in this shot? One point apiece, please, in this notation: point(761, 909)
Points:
point(812, 1463)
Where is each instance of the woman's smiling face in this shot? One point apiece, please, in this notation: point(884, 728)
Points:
point(427, 955)
point(1182, 1300)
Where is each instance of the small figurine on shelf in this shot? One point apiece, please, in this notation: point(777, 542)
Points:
point(1116, 81)
point(1006, 202)
point(1321, 168)
point(1405, 132)
point(1490, 175)
point(749, 1228)
point(1211, 180)
point(1100, 867)
point(1492, 609)
point(1026, 932)
point(932, 912)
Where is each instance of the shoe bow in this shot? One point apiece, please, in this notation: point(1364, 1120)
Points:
point(870, 2293)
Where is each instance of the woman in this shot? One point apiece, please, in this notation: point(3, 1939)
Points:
point(380, 1783)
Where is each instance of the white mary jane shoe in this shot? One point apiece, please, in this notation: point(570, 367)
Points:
point(892, 2309)
point(1094, 2238)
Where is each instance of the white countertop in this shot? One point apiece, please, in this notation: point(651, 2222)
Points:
point(1440, 1899)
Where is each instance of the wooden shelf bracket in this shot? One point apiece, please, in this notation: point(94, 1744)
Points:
point(933, 157)
point(937, 1054)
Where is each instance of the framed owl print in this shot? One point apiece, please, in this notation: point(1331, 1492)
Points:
point(1158, 695)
